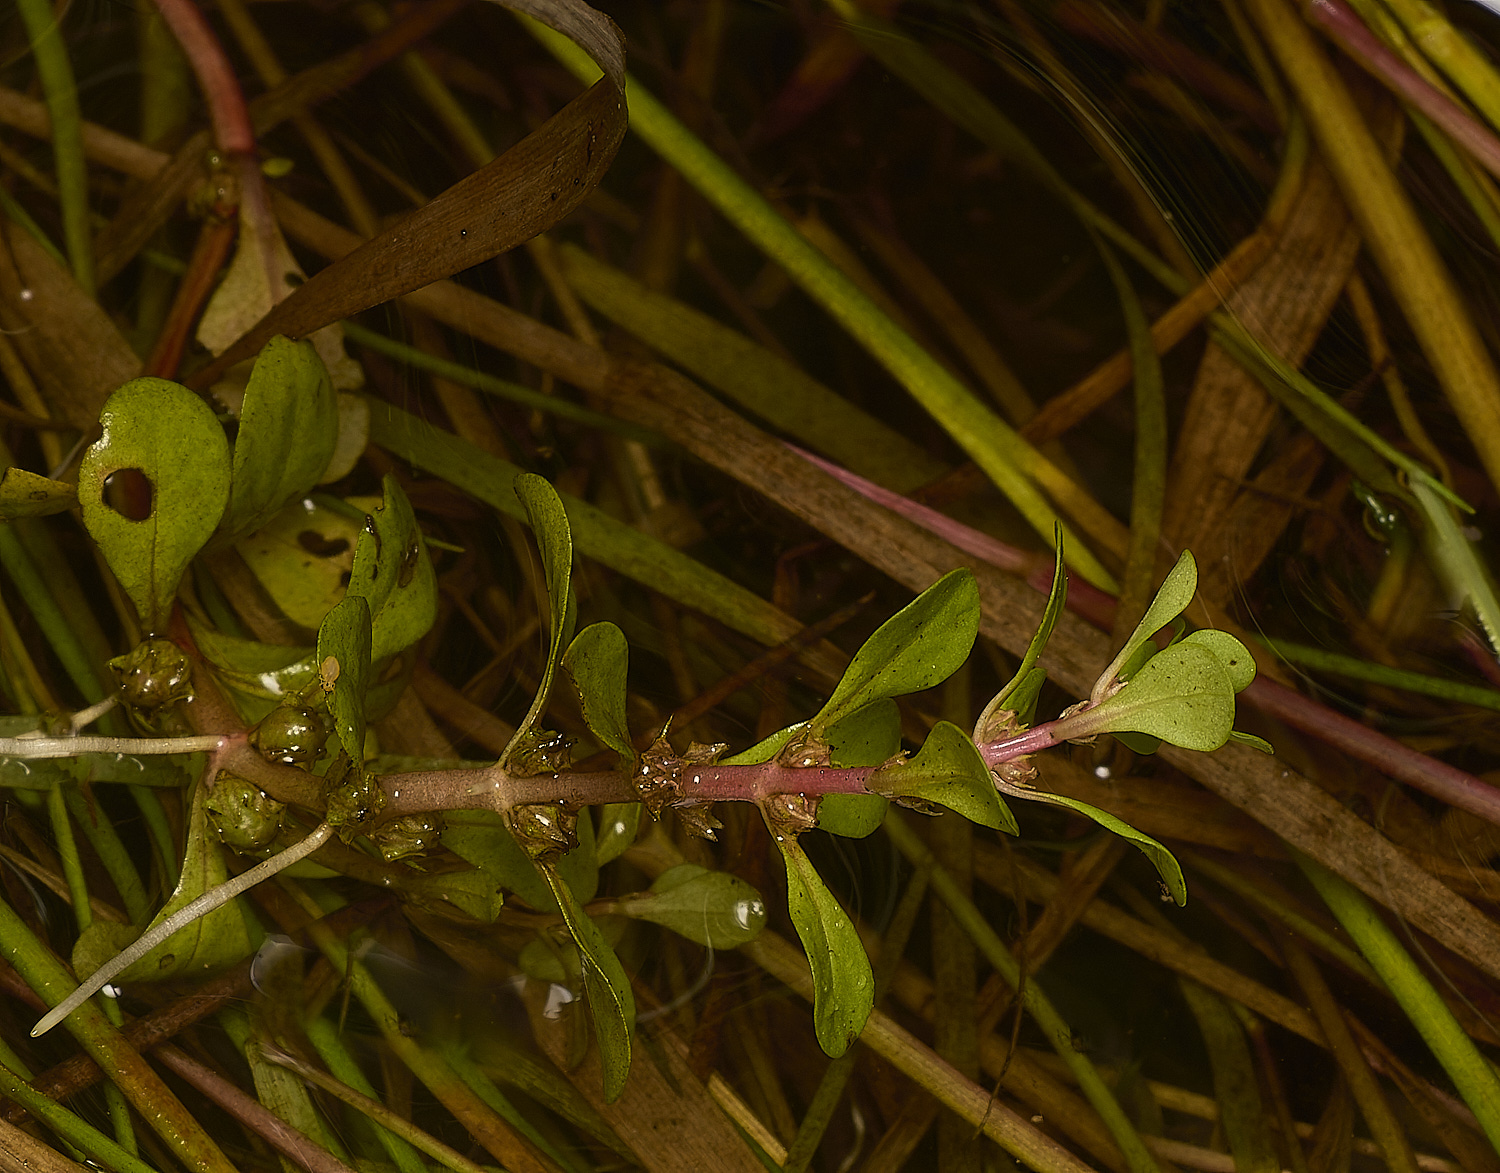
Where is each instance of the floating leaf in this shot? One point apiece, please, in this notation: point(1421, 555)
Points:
point(213, 941)
point(1171, 600)
point(611, 1001)
point(918, 647)
point(28, 494)
point(344, 669)
point(597, 662)
point(554, 540)
point(843, 984)
point(948, 770)
point(393, 574)
point(1183, 695)
point(288, 428)
point(712, 908)
point(1010, 698)
point(170, 437)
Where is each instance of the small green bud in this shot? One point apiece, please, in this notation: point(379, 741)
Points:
point(291, 733)
point(247, 818)
point(407, 836)
point(152, 675)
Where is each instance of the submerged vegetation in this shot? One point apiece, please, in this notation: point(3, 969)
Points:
point(511, 518)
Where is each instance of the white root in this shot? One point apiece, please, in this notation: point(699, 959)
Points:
point(186, 915)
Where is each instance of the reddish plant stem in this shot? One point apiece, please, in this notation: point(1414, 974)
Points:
point(226, 103)
point(214, 241)
point(1376, 58)
point(1454, 786)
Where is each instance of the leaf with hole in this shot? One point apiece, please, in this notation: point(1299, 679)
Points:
point(28, 494)
point(393, 574)
point(554, 541)
point(597, 662)
point(1183, 695)
point(949, 771)
point(1171, 600)
point(712, 908)
point(843, 984)
point(611, 1001)
point(169, 436)
point(918, 647)
point(1020, 692)
point(344, 664)
point(288, 429)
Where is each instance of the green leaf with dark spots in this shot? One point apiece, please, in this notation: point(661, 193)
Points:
point(949, 771)
point(918, 647)
point(1238, 663)
point(1183, 695)
point(611, 1001)
point(170, 438)
point(843, 984)
point(344, 668)
point(288, 428)
point(28, 494)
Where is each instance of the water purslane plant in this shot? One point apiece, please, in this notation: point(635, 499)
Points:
point(275, 738)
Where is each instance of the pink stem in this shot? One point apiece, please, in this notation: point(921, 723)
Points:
point(226, 102)
point(1381, 62)
point(1454, 786)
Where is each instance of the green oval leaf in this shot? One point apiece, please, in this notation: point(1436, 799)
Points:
point(611, 1000)
point(1171, 600)
point(949, 771)
point(167, 433)
point(288, 429)
point(1233, 655)
point(767, 747)
point(1183, 695)
point(481, 838)
point(852, 816)
point(918, 647)
point(712, 908)
point(28, 494)
point(344, 668)
point(597, 662)
point(843, 984)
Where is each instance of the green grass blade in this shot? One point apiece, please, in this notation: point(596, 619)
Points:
point(1470, 1072)
point(1016, 468)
